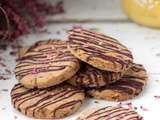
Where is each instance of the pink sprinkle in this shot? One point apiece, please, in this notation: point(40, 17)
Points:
point(49, 56)
point(76, 26)
point(119, 104)
point(130, 105)
point(34, 71)
point(86, 45)
point(144, 109)
point(157, 96)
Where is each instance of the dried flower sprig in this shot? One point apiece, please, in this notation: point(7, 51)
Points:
point(24, 16)
point(4, 29)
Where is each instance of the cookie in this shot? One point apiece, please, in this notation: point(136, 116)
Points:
point(98, 50)
point(109, 113)
point(89, 76)
point(49, 103)
point(45, 64)
point(129, 86)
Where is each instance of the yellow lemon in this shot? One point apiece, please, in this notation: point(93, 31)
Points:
point(144, 12)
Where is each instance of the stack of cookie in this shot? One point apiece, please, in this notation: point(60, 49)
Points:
point(108, 71)
point(41, 71)
point(54, 75)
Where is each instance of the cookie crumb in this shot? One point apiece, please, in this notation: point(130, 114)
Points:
point(3, 108)
point(5, 90)
point(96, 101)
point(13, 53)
point(135, 108)
point(15, 117)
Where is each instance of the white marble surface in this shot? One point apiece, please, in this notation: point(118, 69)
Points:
point(90, 10)
point(143, 42)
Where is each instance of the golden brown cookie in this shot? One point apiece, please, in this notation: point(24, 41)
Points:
point(98, 50)
point(89, 76)
point(49, 103)
point(109, 113)
point(129, 86)
point(45, 64)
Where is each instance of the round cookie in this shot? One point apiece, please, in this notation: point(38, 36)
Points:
point(49, 103)
point(98, 50)
point(89, 76)
point(129, 86)
point(109, 113)
point(45, 64)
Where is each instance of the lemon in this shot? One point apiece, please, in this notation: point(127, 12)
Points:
point(144, 12)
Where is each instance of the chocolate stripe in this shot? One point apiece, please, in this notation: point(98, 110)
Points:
point(43, 98)
point(24, 72)
point(102, 47)
point(69, 104)
point(131, 84)
point(97, 41)
point(89, 76)
point(46, 56)
point(96, 53)
point(94, 45)
point(106, 43)
point(111, 113)
point(98, 113)
point(56, 100)
point(97, 35)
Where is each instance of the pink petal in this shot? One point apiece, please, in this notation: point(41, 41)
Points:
point(157, 96)
point(144, 109)
point(34, 71)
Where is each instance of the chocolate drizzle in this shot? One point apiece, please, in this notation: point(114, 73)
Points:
point(112, 113)
point(131, 83)
point(69, 104)
point(101, 46)
point(137, 68)
point(89, 76)
point(49, 56)
point(25, 72)
point(37, 100)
